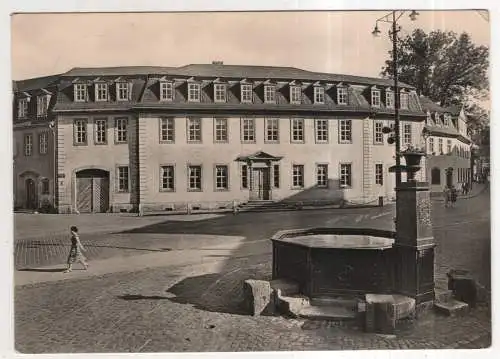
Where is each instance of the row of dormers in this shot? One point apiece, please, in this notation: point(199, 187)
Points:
point(191, 90)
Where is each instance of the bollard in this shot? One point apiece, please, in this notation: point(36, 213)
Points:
point(381, 201)
point(188, 208)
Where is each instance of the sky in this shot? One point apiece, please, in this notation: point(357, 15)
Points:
point(323, 41)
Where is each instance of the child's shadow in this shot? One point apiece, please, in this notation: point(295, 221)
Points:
point(42, 269)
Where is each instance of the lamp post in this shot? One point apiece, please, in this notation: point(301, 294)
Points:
point(52, 127)
point(392, 18)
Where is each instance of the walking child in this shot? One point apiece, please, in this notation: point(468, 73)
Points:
point(75, 252)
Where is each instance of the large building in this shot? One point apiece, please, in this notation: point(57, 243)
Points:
point(448, 146)
point(207, 136)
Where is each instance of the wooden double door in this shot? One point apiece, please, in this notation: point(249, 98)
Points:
point(92, 191)
point(260, 183)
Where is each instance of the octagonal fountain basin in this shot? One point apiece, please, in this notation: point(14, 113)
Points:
point(335, 261)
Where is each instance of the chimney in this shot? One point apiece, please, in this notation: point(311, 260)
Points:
point(217, 63)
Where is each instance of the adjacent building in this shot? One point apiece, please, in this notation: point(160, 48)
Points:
point(205, 136)
point(448, 146)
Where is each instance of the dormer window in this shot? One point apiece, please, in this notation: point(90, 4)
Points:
point(437, 120)
point(389, 99)
point(22, 109)
point(122, 91)
point(342, 95)
point(101, 92)
point(269, 94)
point(166, 91)
point(404, 101)
point(447, 120)
point(319, 94)
point(42, 105)
point(428, 120)
point(80, 92)
point(375, 98)
point(295, 95)
point(246, 93)
point(194, 92)
point(220, 93)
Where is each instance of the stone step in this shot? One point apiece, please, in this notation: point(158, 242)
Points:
point(350, 303)
point(452, 308)
point(442, 295)
point(292, 305)
point(285, 287)
point(327, 312)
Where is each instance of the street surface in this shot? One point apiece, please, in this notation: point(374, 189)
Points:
point(174, 284)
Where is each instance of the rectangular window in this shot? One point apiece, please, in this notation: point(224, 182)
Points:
point(43, 142)
point(345, 131)
point(322, 175)
point(345, 175)
point(28, 145)
point(378, 135)
point(321, 129)
point(122, 91)
point(80, 92)
point(221, 130)
point(167, 129)
point(447, 120)
point(276, 176)
point(295, 94)
point(41, 105)
point(194, 92)
point(379, 173)
point(221, 178)
point(389, 99)
point(440, 146)
point(297, 130)
point(272, 130)
point(375, 98)
point(101, 92)
point(244, 176)
point(80, 131)
point(319, 94)
point(220, 93)
point(449, 146)
point(121, 130)
point(342, 95)
point(194, 178)
point(248, 129)
point(404, 101)
point(166, 91)
point(123, 180)
point(167, 178)
point(298, 176)
point(45, 186)
point(101, 130)
point(431, 145)
point(22, 110)
point(246, 93)
point(269, 94)
point(407, 134)
point(194, 129)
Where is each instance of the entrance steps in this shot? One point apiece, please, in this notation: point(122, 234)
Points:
point(266, 205)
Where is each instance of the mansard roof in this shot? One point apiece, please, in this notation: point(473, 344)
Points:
point(35, 83)
point(431, 106)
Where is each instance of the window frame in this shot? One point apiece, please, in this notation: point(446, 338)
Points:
point(194, 88)
point(407, 134)
point(97, 130)
point(318, 130)
point(378, 135)
point(268, 121)
point(28, 144)
point(342, 130)
point(164, 90)
point(440, 146)
point(216, 178)
point(42, 104)
point(319, 95)
point(163, 167)
point(85, 133)
point(225, 130)
point(122, 86)
point(22, 108)
point(389, 95)
point(431, 145)
point(302, 176)
point(45, 190)
point(43, 142)
point(318, 174)
point(348, 165)
point(379, 174)
point(80, 88)
point(193, 120)
point(119, 131)
point(246, 89)
point(295, 95)
point(218, 91)
point(276, 180)
point(270, 93)
point(342, 94)
point(167, 120)
point(404, 105)
point(119, 188)
point(375, 95)
point(243, 129)
point(101, 87)
point(244, 176)
point(449, 146)
point(293, 122)
point(194, 166)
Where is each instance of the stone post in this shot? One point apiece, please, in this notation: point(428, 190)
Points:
point(414, 244)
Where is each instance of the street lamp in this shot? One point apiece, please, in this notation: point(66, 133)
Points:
point(52, 127)
point(392, 18)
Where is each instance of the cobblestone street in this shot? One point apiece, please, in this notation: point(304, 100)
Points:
point(197, 307)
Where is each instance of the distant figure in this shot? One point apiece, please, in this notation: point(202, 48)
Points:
point(75, 252)
point(453, 195)
point(464, 187)
point(446, 195)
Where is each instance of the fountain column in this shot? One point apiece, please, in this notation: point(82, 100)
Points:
point(414, 243)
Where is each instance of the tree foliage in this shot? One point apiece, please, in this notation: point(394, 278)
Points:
point(444, 66)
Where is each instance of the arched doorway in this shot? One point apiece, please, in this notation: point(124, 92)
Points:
point(31, 195)
point(92, 191)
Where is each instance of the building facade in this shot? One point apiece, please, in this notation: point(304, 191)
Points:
point(209, 136)
point(448, 146)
